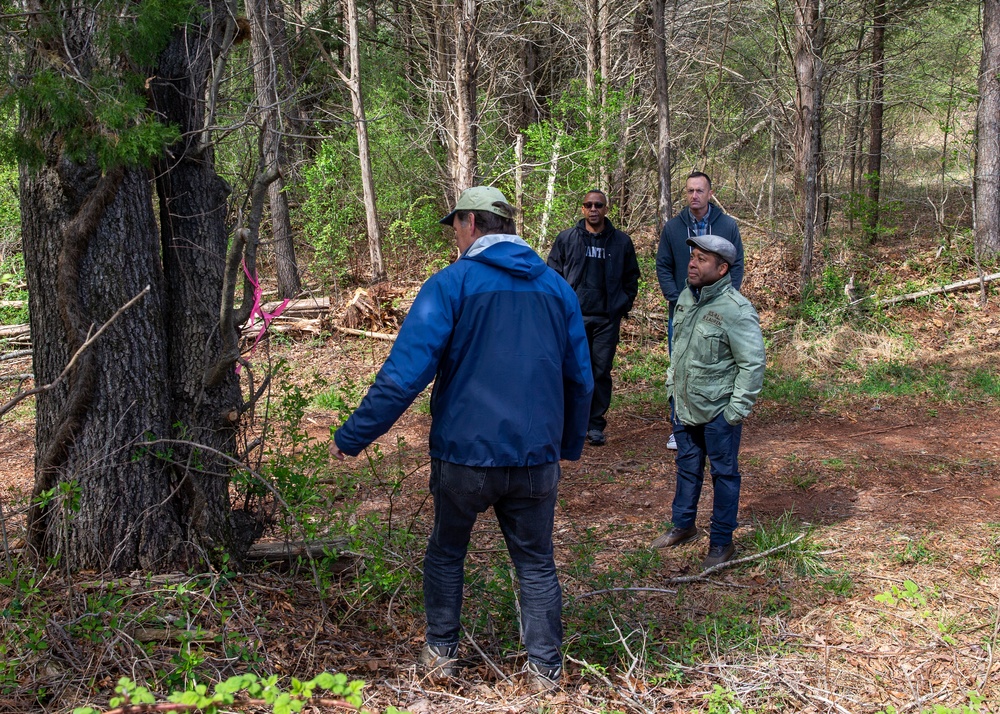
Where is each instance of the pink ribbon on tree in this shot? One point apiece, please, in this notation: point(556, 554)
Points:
point(258, 310)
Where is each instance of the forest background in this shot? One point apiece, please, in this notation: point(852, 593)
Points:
point(174, 170)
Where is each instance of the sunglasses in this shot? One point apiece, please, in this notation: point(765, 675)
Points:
point(594, 204)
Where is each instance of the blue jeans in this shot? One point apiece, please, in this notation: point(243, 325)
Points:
point(524, 501)
point(719, 441)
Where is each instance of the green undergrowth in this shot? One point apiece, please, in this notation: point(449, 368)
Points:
point(798, 394)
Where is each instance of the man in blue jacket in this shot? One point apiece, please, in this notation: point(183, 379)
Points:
point(599, 263)
point(700, 217)
point(503, 338)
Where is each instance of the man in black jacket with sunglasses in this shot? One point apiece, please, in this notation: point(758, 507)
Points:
point(599, 263)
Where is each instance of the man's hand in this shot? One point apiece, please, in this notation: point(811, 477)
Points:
point(335, 451)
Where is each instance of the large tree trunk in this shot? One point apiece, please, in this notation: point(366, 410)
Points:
point(875, 125)
point(164, 367)
point(664, 200)
point(269, 49)
point(987, 178)
point(106, 500)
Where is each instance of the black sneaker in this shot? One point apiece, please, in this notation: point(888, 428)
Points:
point(718, 554)
point(595, 437)
point(541, 678)
point(439, 661)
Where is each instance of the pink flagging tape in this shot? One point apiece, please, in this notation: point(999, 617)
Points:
point(258, 310)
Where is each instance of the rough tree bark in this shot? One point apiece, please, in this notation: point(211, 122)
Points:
point(90, 244)
point(808, 62)
point(987, 172)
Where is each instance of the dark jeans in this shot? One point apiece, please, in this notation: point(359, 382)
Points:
point(720, 442)
point(524, 501)
point(602, 335)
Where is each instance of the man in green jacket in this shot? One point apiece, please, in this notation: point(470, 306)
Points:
point(716, 372)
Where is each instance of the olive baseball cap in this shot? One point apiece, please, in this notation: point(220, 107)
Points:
point(480, 198)
point(715, 244)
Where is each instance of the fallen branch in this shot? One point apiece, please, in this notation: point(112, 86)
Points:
point(14, 330)
point(365, 333)
point(730, 563)
point(953, 287)
point(624, 590)
point(19, 354)
point(486, 658)
point(299, 306)
point(596, 672)
point(278, 551)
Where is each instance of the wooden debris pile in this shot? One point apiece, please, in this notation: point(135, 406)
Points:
point(372, 310)
point(299, 317)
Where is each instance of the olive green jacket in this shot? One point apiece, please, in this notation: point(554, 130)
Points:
point(717, 356)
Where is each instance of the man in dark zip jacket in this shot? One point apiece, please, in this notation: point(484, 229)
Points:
point(599, 263)
point(700, 217)
point(502, 336)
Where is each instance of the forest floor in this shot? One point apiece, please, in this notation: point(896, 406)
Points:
point(891, 597)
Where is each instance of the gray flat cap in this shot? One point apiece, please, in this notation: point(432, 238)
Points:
point(715, 244)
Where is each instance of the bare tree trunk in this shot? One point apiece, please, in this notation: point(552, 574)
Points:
point(591, 13)
point(465, 90)
point(434, 15)
point(550, 193)
point(804, 61)
point(808, 104)
point(604, 49)
point(856, 128)
point(529, 66)
point(664, 204)
point(519, 182)
point(875, 124)
point(361, 125)
point(267, 40)
point(987, 173)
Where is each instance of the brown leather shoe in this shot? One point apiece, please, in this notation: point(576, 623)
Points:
point(718, 554)
point(676, 536)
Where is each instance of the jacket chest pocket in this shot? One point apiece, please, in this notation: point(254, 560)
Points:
point(712, 342)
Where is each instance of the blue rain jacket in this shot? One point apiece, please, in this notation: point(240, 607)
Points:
point(503, 335)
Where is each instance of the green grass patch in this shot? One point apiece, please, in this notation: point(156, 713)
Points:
point(643, 367)
point(984, 382)
point(797, 547)
point(787, 390)
point(894, 378)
